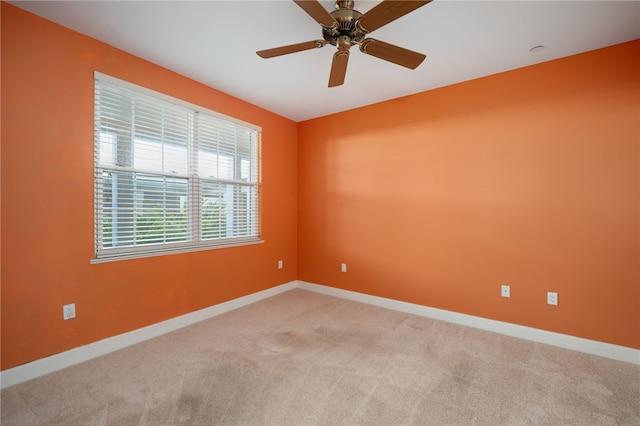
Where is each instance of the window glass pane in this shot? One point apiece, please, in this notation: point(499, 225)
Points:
point(140, 209)
point(162, 209)
point(245, 169)
point(147, 155)
point(247, 152)
point(160, 156)
point(175, 158)
point(208, 146)
point(213, 210)
point(225, 166)
point(245, 198)
point(106, 156)
point(229, 210)
point(161, 134)
point(216, 148)
point(227, 151)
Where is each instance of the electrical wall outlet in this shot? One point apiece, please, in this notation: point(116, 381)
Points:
point(344, 267)
point(280, 264)
point(552, 298)
point(69, 311)
point(505, 290)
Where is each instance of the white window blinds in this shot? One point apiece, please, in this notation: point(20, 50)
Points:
point(170, 176)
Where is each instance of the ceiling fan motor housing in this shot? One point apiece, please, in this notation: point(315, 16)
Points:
point(346, 18)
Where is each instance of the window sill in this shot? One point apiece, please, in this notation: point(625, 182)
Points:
point(166, 251)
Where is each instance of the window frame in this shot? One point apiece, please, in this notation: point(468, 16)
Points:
point(195, 184)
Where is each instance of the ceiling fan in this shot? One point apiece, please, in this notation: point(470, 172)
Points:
point(345, 27)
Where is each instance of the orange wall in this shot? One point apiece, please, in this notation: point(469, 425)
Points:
point(529, 178)
point(47, 200)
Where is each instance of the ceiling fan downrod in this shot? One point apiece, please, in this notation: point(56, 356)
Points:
point(344, 4)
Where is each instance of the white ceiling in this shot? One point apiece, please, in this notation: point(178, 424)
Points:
point(214, 42)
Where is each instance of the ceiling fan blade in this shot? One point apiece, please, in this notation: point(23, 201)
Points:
point(388, 11)
point(292, 48)
point(389, 52)
point(317, 12)
point(338, 68)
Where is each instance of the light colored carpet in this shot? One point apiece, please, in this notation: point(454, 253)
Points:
point(302, 358)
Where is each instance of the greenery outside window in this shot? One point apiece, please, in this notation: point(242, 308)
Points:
point(170, 176)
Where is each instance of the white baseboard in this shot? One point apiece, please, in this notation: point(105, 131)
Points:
point(607, 350)
point(80, 354)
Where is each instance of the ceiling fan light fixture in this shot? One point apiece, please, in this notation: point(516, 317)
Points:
point(344, 42)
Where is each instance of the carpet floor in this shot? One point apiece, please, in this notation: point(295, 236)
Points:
point(302, 358)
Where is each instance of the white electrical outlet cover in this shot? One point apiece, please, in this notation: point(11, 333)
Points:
point(69, 311)
point(505, 291)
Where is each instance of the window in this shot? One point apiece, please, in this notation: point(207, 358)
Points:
point(170, 176)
